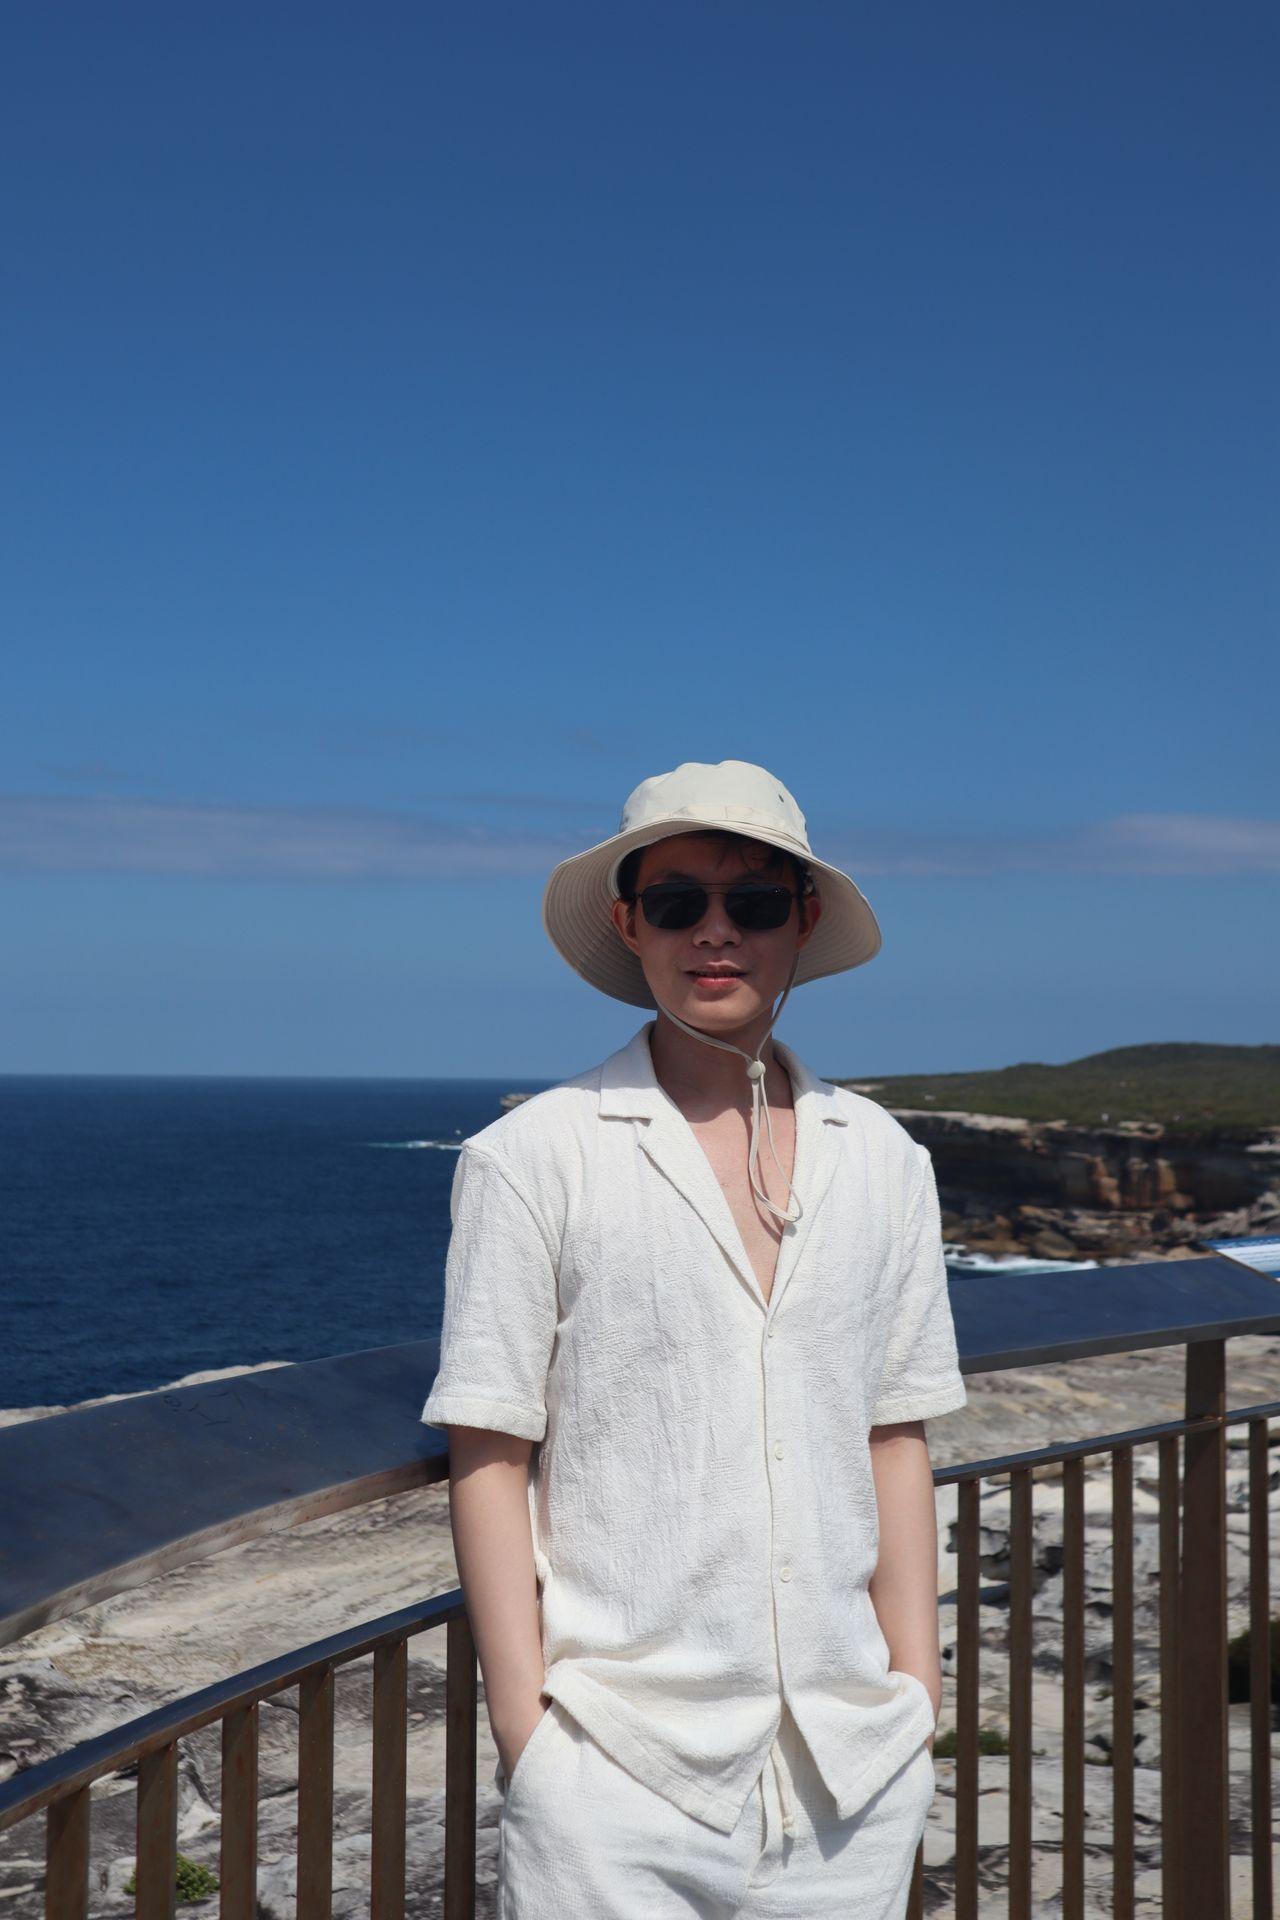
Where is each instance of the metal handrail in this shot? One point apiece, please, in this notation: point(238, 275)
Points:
point(1056, 1451)
point(28, 1792)
point(36, 1788)
point(279, 1453)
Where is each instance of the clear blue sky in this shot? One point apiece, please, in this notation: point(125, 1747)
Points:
point(423, 423)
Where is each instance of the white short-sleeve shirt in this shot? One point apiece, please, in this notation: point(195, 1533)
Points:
point(701, 1498)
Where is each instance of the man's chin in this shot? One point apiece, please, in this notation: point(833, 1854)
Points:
point(719, 1011)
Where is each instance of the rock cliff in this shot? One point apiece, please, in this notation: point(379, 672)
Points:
point(1053, 1189)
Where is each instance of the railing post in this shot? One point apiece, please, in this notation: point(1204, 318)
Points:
point(238, 1849)
point(66, 1885)
point(1123, 1757)
point(315, 1794)
point(1171, 1834)
point(1021, 1671)
point(968, 1693)
point(1260, 1665)
point(156, 1863)
point(460, 1715)
point(1202, 1641)
point(390, 1763)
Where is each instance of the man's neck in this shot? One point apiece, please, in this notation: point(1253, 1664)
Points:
point(705, 1081)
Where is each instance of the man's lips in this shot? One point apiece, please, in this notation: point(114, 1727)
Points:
point(713, 973)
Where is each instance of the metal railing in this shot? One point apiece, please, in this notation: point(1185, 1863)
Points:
point(1191, 1652)
point(1146, 1306)
point(61, 1788)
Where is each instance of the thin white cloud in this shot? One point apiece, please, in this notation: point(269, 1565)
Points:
point(1179, 844)
point(106, 834)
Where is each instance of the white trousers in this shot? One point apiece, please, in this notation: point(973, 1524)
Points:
point(580, 1838)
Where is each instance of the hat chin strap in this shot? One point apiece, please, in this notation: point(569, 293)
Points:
point(759, 1100)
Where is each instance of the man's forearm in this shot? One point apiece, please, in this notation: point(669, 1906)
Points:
point(493, 1546)
point(904, 1587)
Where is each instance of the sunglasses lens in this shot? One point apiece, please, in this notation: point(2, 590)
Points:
point(672, 907)
point(757, 909)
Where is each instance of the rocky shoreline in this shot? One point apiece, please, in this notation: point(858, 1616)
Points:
point(80, 1676)
point(1107, 1194)
point(1051, 1190)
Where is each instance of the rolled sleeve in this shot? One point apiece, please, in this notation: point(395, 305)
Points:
point(500, 1306)
point(921, 1376)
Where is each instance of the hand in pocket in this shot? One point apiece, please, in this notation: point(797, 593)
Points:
point(510, 1754)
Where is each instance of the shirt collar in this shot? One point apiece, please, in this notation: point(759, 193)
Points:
point(629, 1087)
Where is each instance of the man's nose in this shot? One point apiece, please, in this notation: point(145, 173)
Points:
point(715, 926)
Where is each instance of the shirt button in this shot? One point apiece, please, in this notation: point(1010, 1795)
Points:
point(777, 1449)
point(784, 1573)
point(769, 1330)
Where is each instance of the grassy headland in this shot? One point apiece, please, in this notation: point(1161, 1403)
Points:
point(1191, 1089)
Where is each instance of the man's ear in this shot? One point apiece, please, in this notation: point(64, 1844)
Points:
point(811, 906)
point(624, 919)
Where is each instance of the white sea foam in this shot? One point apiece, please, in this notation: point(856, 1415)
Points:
point(416, 1146)
point(1010, 1263)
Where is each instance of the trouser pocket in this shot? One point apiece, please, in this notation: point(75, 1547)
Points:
point(527, 1753)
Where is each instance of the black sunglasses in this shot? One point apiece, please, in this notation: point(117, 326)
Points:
point(674, 905)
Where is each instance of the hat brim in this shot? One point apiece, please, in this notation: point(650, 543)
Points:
point(578, 900)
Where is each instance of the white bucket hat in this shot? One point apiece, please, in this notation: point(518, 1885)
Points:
point(731, 796)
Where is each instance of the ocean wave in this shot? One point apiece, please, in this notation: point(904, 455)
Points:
point(1010, 1263)
point(415, 1146)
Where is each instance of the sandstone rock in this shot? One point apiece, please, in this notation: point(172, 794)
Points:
point(1135, 1192)
point(1048, 1245)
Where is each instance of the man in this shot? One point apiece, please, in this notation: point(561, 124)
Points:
point(710, 1287)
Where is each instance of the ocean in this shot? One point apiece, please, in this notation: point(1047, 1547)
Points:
point(151, 1228)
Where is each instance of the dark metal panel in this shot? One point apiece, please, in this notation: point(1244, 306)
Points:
point(103, 1498)
point(1012, 1320)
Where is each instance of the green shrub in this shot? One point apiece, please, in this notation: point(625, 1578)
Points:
point(1195, 1090)
point(990, 1740)
point(192, 1881)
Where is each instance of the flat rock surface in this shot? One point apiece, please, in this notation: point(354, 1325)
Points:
point(82, 1676)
